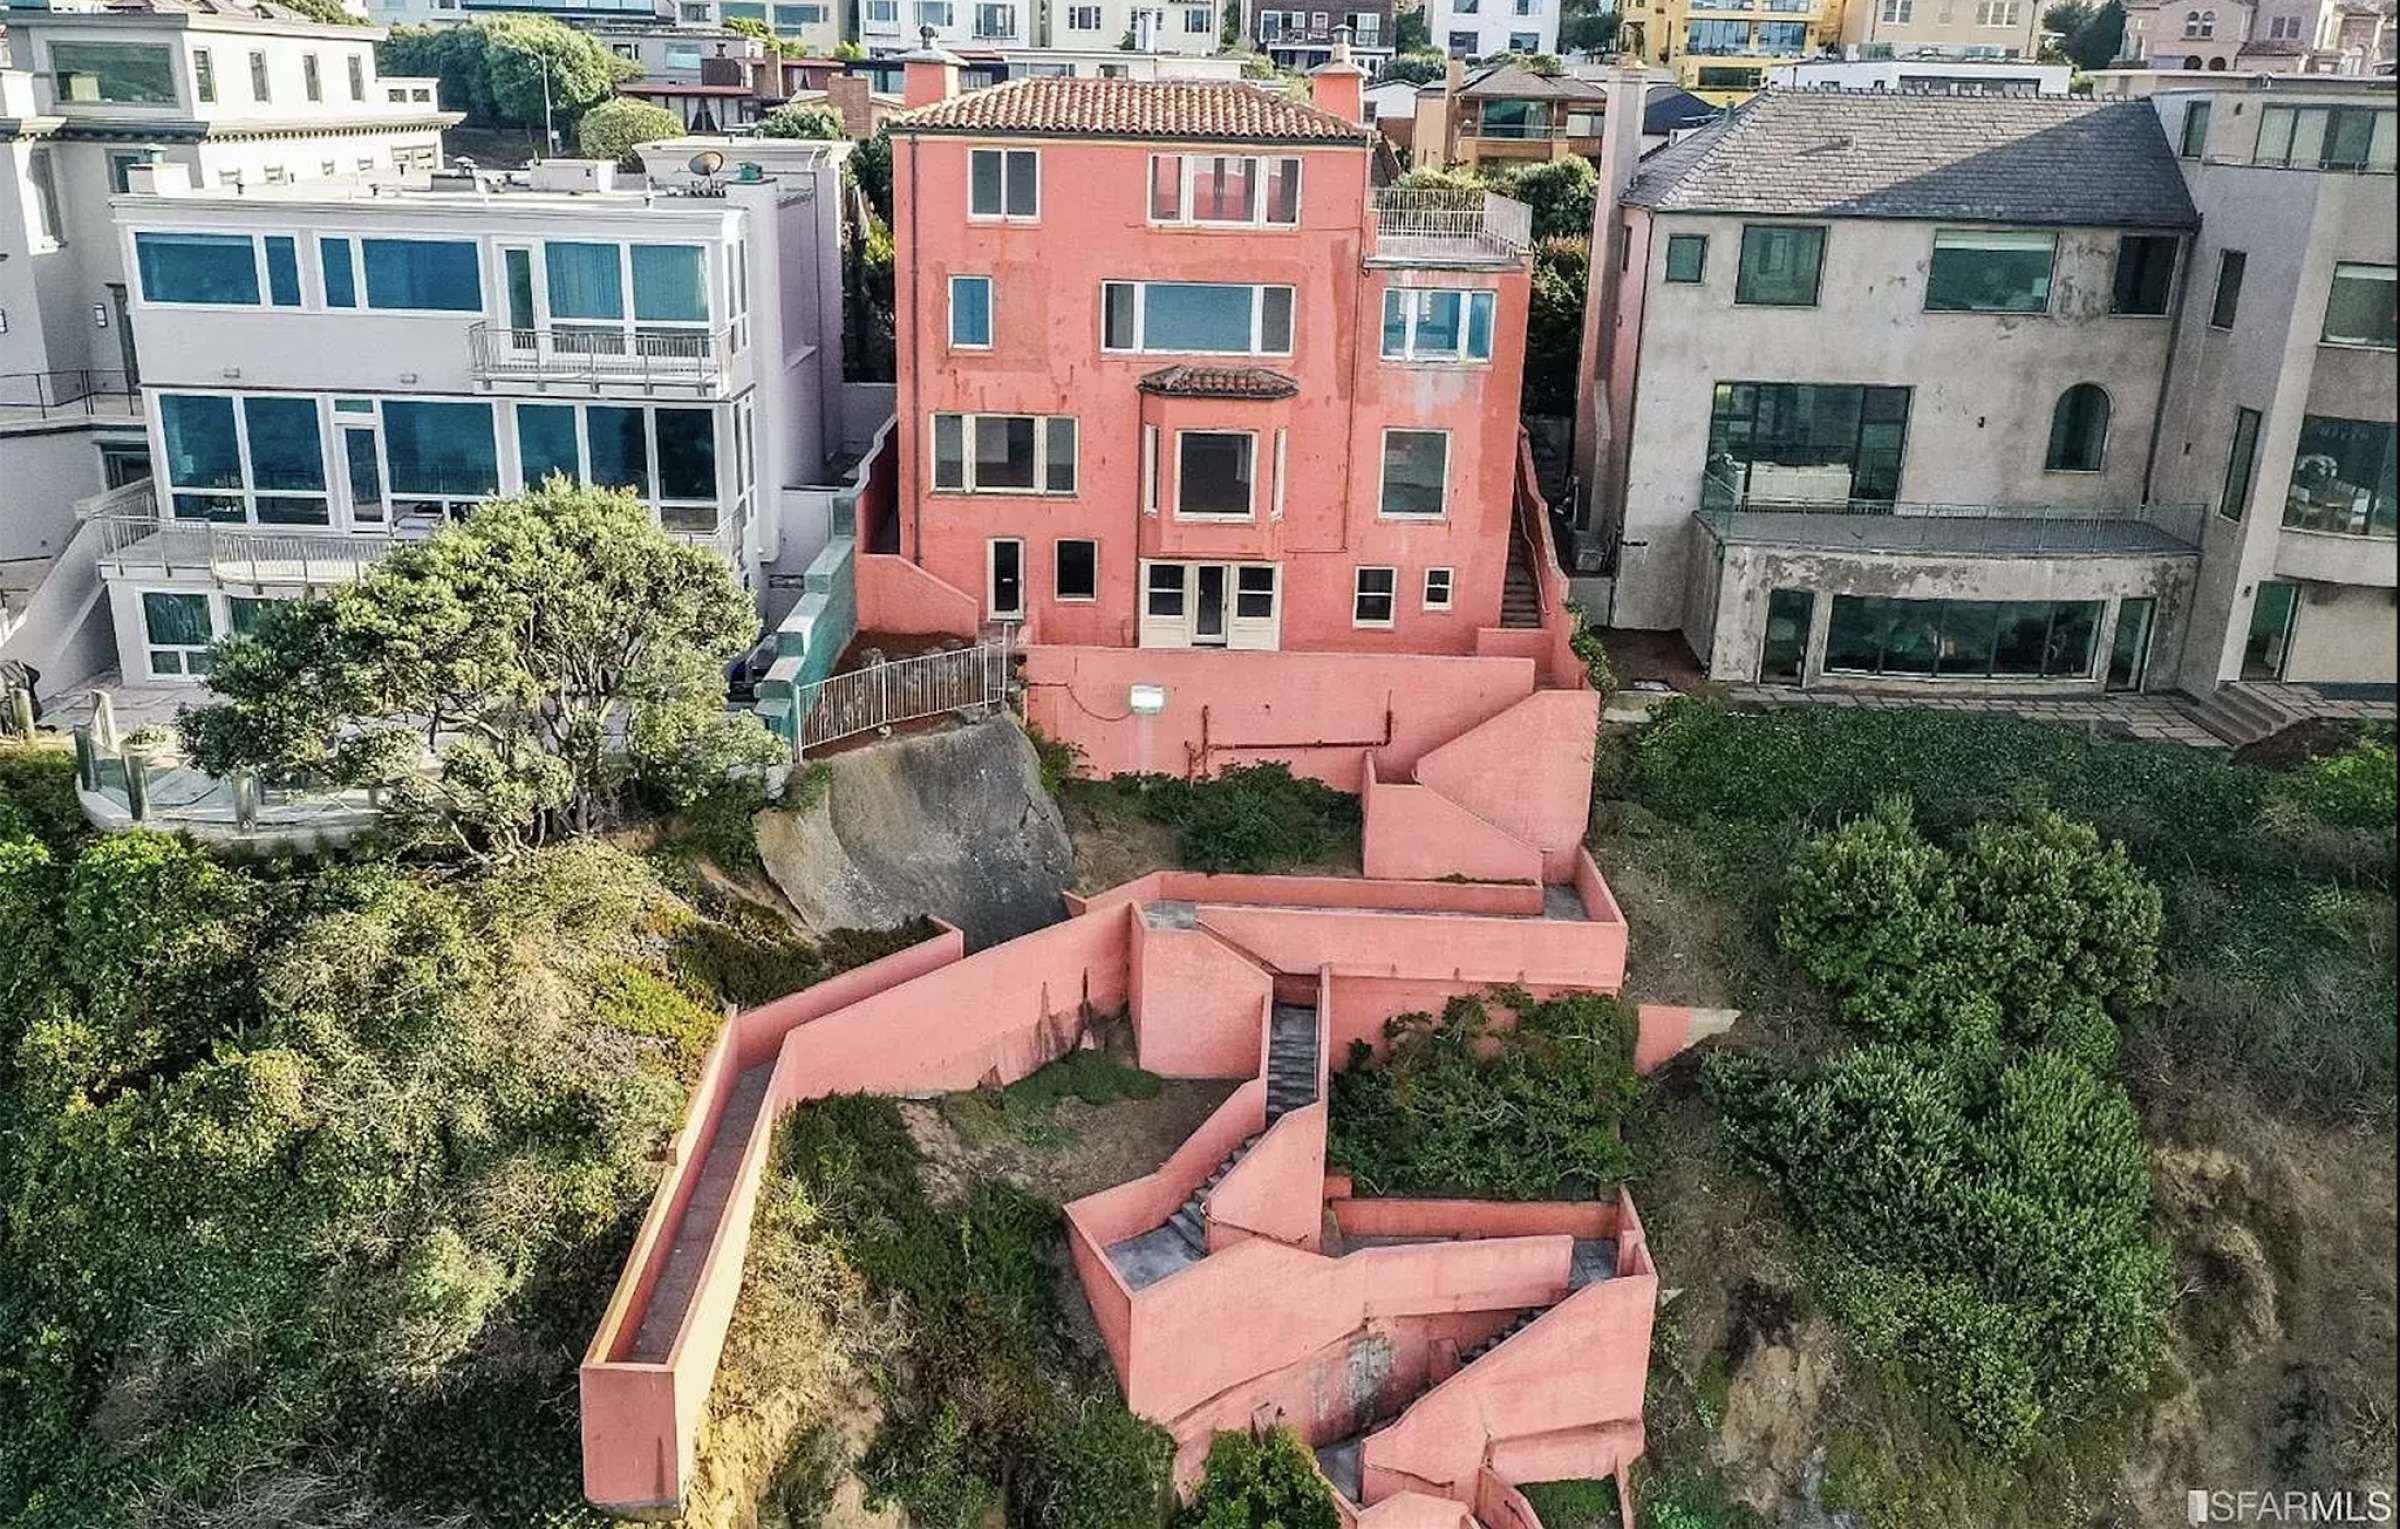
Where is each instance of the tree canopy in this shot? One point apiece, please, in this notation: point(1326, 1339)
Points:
point(1412, 68)
point(2089, 34)
point(496, 69)
point(613, 129)
point(804, 120)
point(507, 678)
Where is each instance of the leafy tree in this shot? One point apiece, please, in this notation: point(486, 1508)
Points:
point(1560, 192)
point(2090, 34)
point(615, 128)
point(325, 13)
point(1582, 29)
point(1269, 1483)
point(542, 652)
point(870, 166)
point(751, 27)
point(1413, 68)
point(1412, 32)
point(497, 69)
point(804, 121)
point(1554, 324)
point(1229, 31)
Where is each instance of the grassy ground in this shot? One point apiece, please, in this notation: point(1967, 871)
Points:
point(2265, 1080)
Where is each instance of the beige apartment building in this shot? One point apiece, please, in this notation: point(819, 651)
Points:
point(1961, 29)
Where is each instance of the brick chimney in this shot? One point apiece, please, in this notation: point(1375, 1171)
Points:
point(1599, 452)
point(847, 94)
point(1338, 85)
point(929, 74)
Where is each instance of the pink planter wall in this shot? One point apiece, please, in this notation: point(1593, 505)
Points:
point(1273, 1191)
point(1198, 1004)
point(1527, 772)
point(1415, 831)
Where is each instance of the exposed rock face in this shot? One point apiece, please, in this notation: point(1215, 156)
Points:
point(953, 823)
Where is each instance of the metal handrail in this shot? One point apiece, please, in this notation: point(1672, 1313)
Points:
point(601, 353)
point(1458, 216)
point(72, 392)
point(1887, 524)
point(244, 554)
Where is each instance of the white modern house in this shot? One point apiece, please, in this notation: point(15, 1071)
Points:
point(238, 96)
point(898, 26)
point(1477, 29)
point(329, 370)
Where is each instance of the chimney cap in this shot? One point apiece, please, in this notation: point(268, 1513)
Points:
point(1340, 63)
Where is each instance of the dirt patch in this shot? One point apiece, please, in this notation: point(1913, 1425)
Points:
point(2311, 738)
point(1113, 847)
point(1773, 1421)
point(1081, 1149)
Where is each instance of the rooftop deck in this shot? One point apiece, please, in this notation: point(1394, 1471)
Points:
point(1441, 226)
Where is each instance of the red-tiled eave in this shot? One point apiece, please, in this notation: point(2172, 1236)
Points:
point(1209, 111)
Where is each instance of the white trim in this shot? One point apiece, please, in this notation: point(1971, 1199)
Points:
point(1040, 488)
point(1258, 318)
point(1250, 495)
point(1276, 513)
point(1004, 216)
point(1185, 175)
point(1449, 578)
point(991, 578)
point(1359, 591)
point(991, 318)
point(1149, 469)
point(1412, 312)
point(1384, 468)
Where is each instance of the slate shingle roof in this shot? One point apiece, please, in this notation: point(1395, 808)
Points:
point(1515, 82)
point(1213, 111)
point(1862, 154)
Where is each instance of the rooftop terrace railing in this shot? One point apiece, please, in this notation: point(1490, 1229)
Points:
point(1430, 222)
point(1880, 525)
point(74, 393)
point(600, 353)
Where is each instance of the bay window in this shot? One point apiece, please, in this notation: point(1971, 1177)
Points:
point(1215, 473)
point(1196, 318)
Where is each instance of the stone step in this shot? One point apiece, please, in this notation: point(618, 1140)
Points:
point(1496, 1339)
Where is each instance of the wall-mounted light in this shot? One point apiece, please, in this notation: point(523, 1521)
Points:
point(1147, 700)
point(3, 321)
point(233, 371)
point(99, 315)
point(408, 379)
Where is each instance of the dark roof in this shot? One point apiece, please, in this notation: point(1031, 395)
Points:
point(1871, 154)
point(1219, 382)
point(1669, 107)
point(1515, 82)
point(1216, 111)
point(256, 10)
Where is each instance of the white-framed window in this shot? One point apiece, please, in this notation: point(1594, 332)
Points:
point(1416, 469)
point(995, 20)
point(357, 67)
point(933, 13)
point(1162, 592)
point(2002, 13)
point(1004, 579)
point(1216, 474)
point(177, 627)
point(1198, 20)
point(256, 459)
point(882, 13)
point(258, 77)
point(1076, 570)
point(1004, 183)
point(1438, 583)
point(1083, 18)
point(666, 455)
point(970, 313)
point(1371, 597)
point(312, 77)
point(1004, 453)
point(1437, 324)
point(204, 74)
point(1225, 190)
point(1524, 42)
point(1899, 11)
point(1195, 318)
point(1255, 589)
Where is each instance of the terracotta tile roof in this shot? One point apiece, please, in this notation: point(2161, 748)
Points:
point(1210, 111)
point(1874, 154)
point(1219, 382)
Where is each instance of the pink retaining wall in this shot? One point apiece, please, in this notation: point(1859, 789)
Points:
point(897, 596)
point(1272, 1192)
point(1501, 1506)
point(1472, 1219)
point(1527, 772)
point(1460, 950)
point(1198, 1004)
point(1416, 832)
point(1413, 1510)
point(1465, 897)
point(1314, 711)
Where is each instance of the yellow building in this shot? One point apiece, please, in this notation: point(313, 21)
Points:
point(1720, 50)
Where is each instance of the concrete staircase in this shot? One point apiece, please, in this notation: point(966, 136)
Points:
point(1291, 1060)
point(687, 1254)
point(1523, 1321)
point(1520, 596)
point(1188, 1222)
point(2237, 714)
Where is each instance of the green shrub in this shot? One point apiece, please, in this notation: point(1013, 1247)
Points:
point(1253, 818)
point(1103, 1468)
point(37, 795)
point(2355, 788)
point(1269, 1483)
point(615, 128)
point(803, 121)
point(1455, 1107)
point(1984, 1225)
point(1591, 650)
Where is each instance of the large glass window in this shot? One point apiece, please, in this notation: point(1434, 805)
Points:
point(670, 283)
point(1004, 453)
point(114, 73)
point(197, 268)
point(1782, 37)
point(2360, 309)
point(1215, 471)
point(1979, 270)
point(1416, 465)
point(584, 281)
point(283, 271)
point(2079, 430)
point(617, 444)
point(687, 468)
point(437, 274)
point(1224, 189)
point(287, 461)
point(2342, 477)
point(546, 442)
point(204, 456)
point(1805, 442)
point(2329, 137)
point(1716, 38)
point(1437, 324)
point(2145, 273)
point(341, 273)
point(1199, 318)
point(1780, 265)
point(2241, 464)
point(177, 629)
point(440, 453)
point(1962, 639)
point(2232, 265)
point(1003, 183)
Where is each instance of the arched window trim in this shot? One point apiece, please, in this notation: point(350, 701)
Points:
point(2096, 460)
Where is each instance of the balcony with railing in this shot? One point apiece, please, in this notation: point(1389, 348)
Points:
point(698, 361)
point(41, 398)
point(1447, 226)
point(1735, 513)
point(236, 556)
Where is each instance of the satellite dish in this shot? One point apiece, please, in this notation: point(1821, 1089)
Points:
point(706, 163)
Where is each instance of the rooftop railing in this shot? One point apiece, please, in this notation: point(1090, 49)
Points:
point(1882, 525)
point(687, 358)
point(28, 396)
point(1447, 224)
point(255, 556)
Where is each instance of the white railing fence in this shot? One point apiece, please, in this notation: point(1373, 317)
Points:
point(1453, 215)
point(883, 695)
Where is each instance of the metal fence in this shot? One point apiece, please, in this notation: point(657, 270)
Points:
point(600, 353)
point(50, 395)
point(257, 555)
point(1871, 525)
point(884, 695)
point(1442, 219)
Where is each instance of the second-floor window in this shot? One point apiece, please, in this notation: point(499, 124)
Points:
point(1004, 183)
point(970, 313)
point(1437, 324)
point(933, 13)
point(312, 77)
point(1781, 265)
point(1999, 13)
point(1224, 188)
point(1196, 318)
point(1416, 469)
point(113, 73)
point(258, 77)
point(423, 275)
point(2145, 274)
point(883, 13)
point(2342, 478)
point(995, 21)
point(225, 270)
point(1004, 453)
point(2359, 310)
point(358, 78)
point(1198, 19)
point(263, 461)
point(2328, 137)
point(1216, 474)
point(1978, 270)
point(1716, 37)
point(204, 74)
point(1899, 12)
point(1083, 18)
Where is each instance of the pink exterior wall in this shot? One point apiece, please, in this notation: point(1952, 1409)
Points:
point(1469, 1220)
point(1313, 711)
point(1199, 1005)
point(1527, 772)
point(1462, 897)
point(1415, 831)
point(1045, 358)
point(1501, 1506)
point(1414, 1510)
point(1454, 948)
point(1271, 1192)
point(898, 597)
